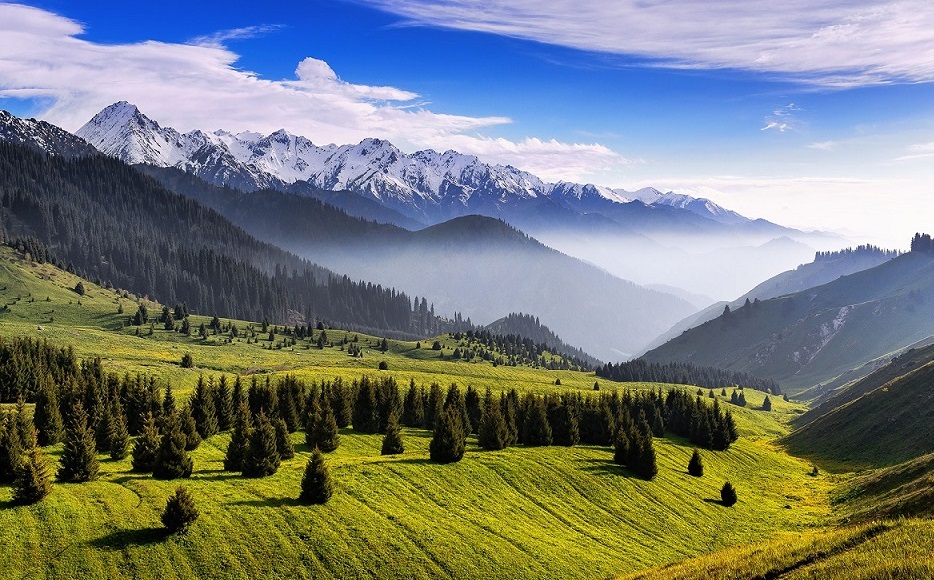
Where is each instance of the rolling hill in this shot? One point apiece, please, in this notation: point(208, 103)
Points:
point(809, 337)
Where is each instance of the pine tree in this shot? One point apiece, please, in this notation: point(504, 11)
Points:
point(317, 486)
point(283, 441)
point(33, 478)
point(99, 419)
point(767, 404)
point(168, 402)
point(447, 442)
point(189, 428)
point(146, 446)
point(224, 405)
point(365, 412)
point(239, 439)
point(494, 433)
point(25, 426)
point(180, 511)
point(340, 403)
point(203, 410)
point(413, 411)
point(79, 457)
point(536, 431)
point(433, 406)
point(172, 461)
point(728, 494)
point(327, 438)
point(118, 434)
point(11, 448)
point(696, 465)
point(565, 429)
point(261, 457)
point(647, 467)
point(472, 403)
point(47, 416)
point(621, 446)
point(392, 440)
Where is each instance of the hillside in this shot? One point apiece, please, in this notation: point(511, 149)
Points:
point(390, 516)
point(530, 327)
point(826, 267)
point(874, 423)
point(813, 336)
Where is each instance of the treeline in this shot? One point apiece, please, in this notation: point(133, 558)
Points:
point(640, 370)
point(922, 244)
point(514, 350)
point(109, 223)
point(862, 250)
point(528, 326)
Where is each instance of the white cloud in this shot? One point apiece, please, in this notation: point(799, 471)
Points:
point(223, 36)
point(825, 42)
point(782, 119)
point(918, 151)
point(824, 145)
point(198, 86)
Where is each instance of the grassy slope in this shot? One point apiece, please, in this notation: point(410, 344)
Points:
point(547, 512)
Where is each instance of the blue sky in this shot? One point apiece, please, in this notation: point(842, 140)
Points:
point(816, 114)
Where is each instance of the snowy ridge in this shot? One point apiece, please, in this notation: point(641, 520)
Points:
point(42, 136)
point(424, 185)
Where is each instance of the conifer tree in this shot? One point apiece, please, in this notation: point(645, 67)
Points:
point(413, 411)
point(767, 404)
point(47, 416)
point(239, 439)
point(11, 448)
point(340, 403)
point(172, 460)
point(434, 405)
point(33, 478)
point(447, 442)
point(455, 400)
point(186, 423)
point(565, 429)
point(494, 433)
point(317, 486)
point(507, 405)
point(326, 435)
point(621, 446)
point(696, 464)
point(224, 405)
point(25, 426)
point(392, 440)
point(180, 511)
point(261, 457)
point(365, 411)
point(99, 419)
point(647, 467)
point(118, 437)
point(202, 409)
point(742, 399)
point(283, 441)
point(536, 431)
point(146, 446)
point(728, 494)
point(472, 403)
point(168, 402)
point(79, 457)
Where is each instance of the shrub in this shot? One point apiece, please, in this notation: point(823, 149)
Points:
point(696, 465)
point(728, 494)
point(383, 365)
point(180, 511)
point(187, 361)
point(317, 487)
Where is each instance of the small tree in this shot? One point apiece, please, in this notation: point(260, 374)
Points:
point(283, 441)
point(317, 487)
point(33, 478)
point(767, 404)
point(79, 457)
point(646, 467)
point(11, 449)
point(239, 439)
point(392, 440)
point(621, 447)
point(47, 416)
point(189, 427)
point(146, 446)
point(118, 434)
point(180, 511)
point(262, 457)
point(187, 361)
point(79, 288)
point(172, 461)
point(326, 435)
point(447, 443)
point(728, 494)
point(696, 465)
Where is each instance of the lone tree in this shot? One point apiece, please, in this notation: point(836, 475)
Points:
point(392, 440)
point(79, 457)
point(447, 443)
point(728, 494)
point(696, 465)
point(33, 478)
point(180, 511)
point(767, 404)
point(262, 457)
point(317, 487)
point(146, 446)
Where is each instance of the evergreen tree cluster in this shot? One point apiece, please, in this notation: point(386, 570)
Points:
point(640, 370)
point(861, 250)
point(22, 461)
point(528, 326)
point(922, 244)
point(516, 350)
point(197, 256)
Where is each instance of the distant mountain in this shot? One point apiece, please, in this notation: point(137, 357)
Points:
point(528, 326)
point(826, 267)
point(43, 137)
point(884, 419)
point(815, 335)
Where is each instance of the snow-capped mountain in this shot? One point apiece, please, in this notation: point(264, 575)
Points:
point(427, 185)
point(43, 136)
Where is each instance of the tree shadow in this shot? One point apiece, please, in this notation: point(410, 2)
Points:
point(215, 475)
point(268, 502)
point(409, 460)
point(123, 539)
point(719, 502)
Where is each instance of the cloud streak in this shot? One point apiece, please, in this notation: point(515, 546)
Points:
point(836, 43)
point(198, 86)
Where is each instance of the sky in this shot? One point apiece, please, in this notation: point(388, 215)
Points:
point(816, 114)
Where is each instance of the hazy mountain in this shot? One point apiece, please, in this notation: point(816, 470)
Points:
point(813, 336)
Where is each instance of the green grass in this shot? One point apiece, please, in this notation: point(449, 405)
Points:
point(521, 512)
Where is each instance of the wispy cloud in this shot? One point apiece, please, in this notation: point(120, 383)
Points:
point(782, 118)
point(918, 151)
point(837, 43)
point(197, 86)
point(221, 37)
point(824, 145)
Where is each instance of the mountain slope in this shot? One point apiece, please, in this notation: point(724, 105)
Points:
point(812, 336)
point(883, 426)
point(42, 136)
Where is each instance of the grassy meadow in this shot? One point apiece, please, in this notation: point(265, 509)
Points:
point(549, 512)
